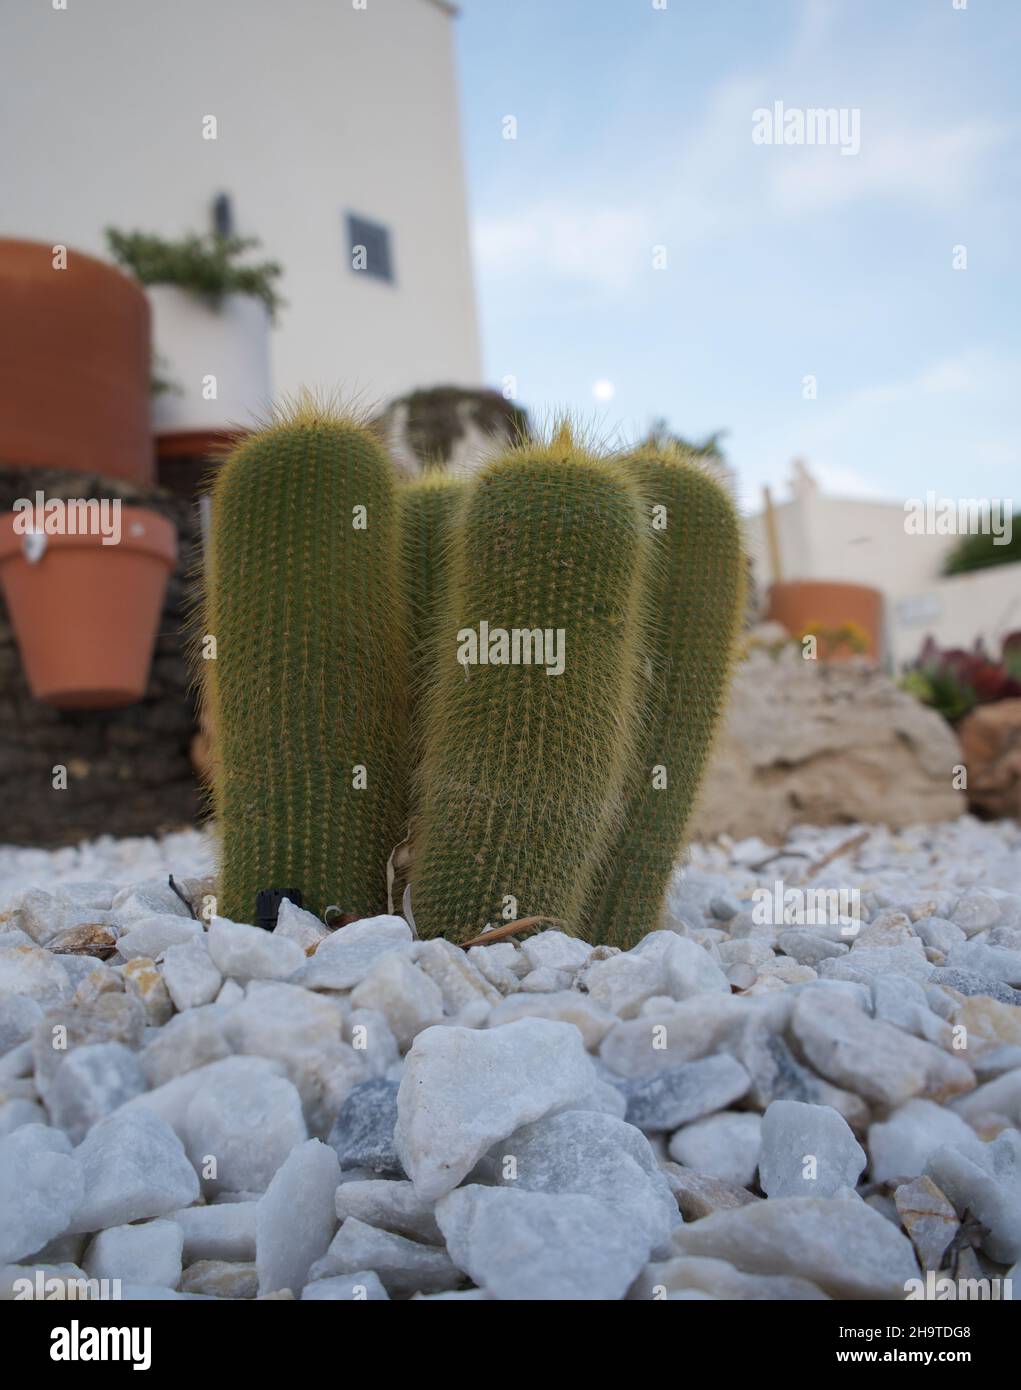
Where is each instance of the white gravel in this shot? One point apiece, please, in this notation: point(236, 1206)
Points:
point(820, 1104)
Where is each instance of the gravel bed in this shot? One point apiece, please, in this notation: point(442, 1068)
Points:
point(806, 1086)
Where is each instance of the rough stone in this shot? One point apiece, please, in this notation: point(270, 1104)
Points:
point(555, 950)
point(149, 1253)
point(145, 983)
point(224, 1232)
point(300, 926)
point(844, 1247)
point(718, 1279)
point(723, 1146)
point(594, 1154)
point(190, 1040)
point(538, 1246)
point(872, 1058)
point(134, 1167)
point(91, 1082)
point(404, 1266)
point(390, 1205)
point(929, 1219)
point(988, 1187)
point(406, 997)
point(690, 1030)
point(463, 1090)
point(248, 953)
point(996, 963)
point(363, 1133)
point(221, 1279)
point(347, 956)
point(112, 1018)
point(41, 1187)
point(679, 1095)
point(31, 972)
point(900, 1146)
point(190, 976)
point(151, 936)
point(592, 1021)
point(851, 748)
point(296, 1218)
point(244, 1119)
point(807, 1151)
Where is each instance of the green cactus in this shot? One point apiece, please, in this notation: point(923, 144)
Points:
point(522, 771)
point(305, 601)
point(694, 601)
point(427, 509)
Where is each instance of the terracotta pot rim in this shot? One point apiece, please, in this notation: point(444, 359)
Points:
point(189, 443)
point(158, 537)
point(830, 584)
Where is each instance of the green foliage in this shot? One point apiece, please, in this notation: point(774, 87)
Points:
point(979, 551)
point(694, 600)
point(522, 773)
point(308, 683)
point(661, 438)
point(953, 681)
point(209, 266)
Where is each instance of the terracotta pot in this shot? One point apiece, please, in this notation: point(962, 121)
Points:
point(804, 603)
point(85, 614)
point(74, 365)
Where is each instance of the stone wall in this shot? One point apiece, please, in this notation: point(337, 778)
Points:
point(128, 770)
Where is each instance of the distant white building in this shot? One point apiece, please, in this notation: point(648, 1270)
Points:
point(336, 124)
point(862, 542)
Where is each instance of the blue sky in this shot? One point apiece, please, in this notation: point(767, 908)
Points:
point(635, 131)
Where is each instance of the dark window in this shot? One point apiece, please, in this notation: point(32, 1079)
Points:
point(223, 215)
point(369, 248)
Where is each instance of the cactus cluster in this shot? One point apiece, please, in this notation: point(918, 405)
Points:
point(519, 674)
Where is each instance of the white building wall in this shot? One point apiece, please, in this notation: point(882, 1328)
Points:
point(322, 109)
point(856, 542)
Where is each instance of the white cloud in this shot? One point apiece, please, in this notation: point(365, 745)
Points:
point(685, 184)
point(935, 166)
point(601, 245)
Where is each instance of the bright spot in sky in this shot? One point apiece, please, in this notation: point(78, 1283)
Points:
point(603, 390)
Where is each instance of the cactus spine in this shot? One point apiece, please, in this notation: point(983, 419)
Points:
point(305, 602)
point(694, 601)
point(522, 771)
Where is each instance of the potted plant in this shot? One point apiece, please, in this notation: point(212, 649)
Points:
point(85, 600)
point(212, 312)
point(832, 608)
point(74, 364)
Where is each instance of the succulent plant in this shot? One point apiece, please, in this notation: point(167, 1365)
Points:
point(542, 650)
point(307, 691)
point(694, 607)
point(954, 681)
point(524, 760)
